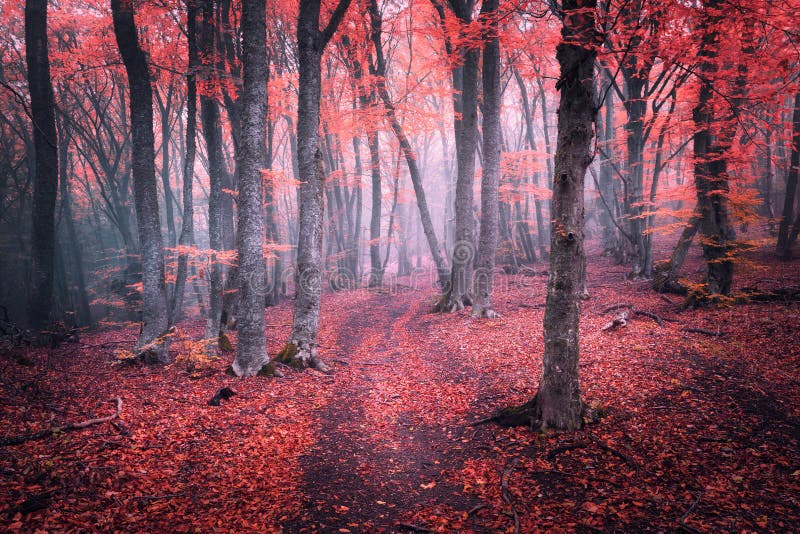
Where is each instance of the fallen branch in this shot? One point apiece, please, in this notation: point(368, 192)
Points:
point(476, 509)
point(564, 448)
point(16, 440)
point(682, 523)
point(620, 320)
point(608, 448)
point(414, 528)
point(704, 331)
point(625, 316)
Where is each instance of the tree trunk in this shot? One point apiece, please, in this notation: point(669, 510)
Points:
point(302, 349)
point(212, 133)
point(84, 310)
point(153, 342)
point(710, 169)
point(251, 354)
point(492, 95)
point(45, 180)
point(558, 401)
point(665, 276)
point(186, 239)
point(785, 237)
point(459, 291)
point(376, 271)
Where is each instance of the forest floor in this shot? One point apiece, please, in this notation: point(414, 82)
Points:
point(701, 431)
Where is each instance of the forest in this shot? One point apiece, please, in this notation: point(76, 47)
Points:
point(400, 266)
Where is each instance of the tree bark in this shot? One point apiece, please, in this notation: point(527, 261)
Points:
point(710, 169)
point(212, 133)
point(459, 291)
point(785, 237)
point(153, 342)
point(492, 95)
point(45, 179)
point(251, 354)
point(558, 402)
point(302, 349)
point(186, 239)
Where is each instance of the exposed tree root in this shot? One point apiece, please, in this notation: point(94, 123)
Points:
point(449, 303)
point(621, 320)
point(300, 356)
point(484, 313)
point(16, 440)
point(530, 415)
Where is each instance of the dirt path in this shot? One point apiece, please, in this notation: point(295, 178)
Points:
point(379, 456)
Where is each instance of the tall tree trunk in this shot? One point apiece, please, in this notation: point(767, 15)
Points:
point(558, 402)
point(186, 239)
point(459, 291)
point(710, 169)
point(492, 95)
point(251, 354)
point(785, 237)
point(45, 180)
point(84, 310)
point(153, 342)
point(212, 133)
point(165, 163)
point(302, 348)
point(376, 270)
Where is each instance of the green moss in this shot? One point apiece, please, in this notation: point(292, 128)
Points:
point(287, 356)
point(225, 343)
point(267, 370)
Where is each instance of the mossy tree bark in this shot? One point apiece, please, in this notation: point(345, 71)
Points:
point(311, 43)
point(212, 134)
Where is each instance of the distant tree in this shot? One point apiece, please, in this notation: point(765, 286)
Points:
point(186, 238)
point(558, 403)
point(45, 159)
point(212, 134)
point(302, 349)
point(153, 342)
point(251, 353)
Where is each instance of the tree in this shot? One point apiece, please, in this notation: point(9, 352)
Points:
point(710, 168)
point(487, 246)
point(557, 403)
point(212, 133)
point(465, 105)
point(153, 342)
point(301, 350)
point(376, 22)
point(45, 183)
point(186, 238)
point(251, 353)
point(786, 238)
